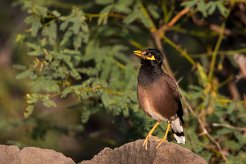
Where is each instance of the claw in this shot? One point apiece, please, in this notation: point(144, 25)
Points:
point(145, 143)
point(164, 139)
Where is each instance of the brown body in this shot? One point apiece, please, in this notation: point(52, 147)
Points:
point(158, 95)
point(159, 98)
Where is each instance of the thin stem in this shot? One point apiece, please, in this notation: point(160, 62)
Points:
point(173, 21)
point(223, 83)
point(215, 52)
point(229, 127)
point(193, 32)
point(91, 15)
point(136, 44)
point(146, 14)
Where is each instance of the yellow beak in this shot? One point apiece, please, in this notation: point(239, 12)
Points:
point(140, 54)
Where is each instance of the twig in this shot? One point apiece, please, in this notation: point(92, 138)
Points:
point(112, 14)
point(173, 21)
point(229, 127)
point(215, 52)
point(233, 90)
point(223, 83)
point(158, 35)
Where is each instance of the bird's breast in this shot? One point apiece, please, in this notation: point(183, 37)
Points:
point(157, 100)
point(147, 103)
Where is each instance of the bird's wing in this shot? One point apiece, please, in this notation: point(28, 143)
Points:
point(173, 85)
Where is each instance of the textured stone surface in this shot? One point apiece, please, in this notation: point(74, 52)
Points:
point(31, 155)
point(133, 152)
point(8, 153)
point(41, 156)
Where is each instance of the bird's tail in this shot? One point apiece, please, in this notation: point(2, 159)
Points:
point(178, 130)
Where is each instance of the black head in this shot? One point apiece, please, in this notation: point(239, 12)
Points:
point(150, 55)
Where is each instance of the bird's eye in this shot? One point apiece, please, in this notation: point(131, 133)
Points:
point(149, 54)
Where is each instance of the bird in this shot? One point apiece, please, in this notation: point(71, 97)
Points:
point(159, 96)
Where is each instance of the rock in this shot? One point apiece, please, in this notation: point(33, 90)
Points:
point(133, 152)
point(41, 156)
point(171, 153)
point(8, 153)
point(31, 155)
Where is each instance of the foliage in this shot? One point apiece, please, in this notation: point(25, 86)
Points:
point(75, 53)
point(207, 8)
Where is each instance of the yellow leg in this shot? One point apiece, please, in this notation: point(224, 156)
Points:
point(165, 136)
point(150, 134)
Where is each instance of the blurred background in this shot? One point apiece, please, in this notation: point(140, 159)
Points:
point(68, 77)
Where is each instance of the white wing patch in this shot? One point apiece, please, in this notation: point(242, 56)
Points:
point(178, 128)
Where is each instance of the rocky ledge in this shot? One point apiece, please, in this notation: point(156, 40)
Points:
point(133, 152)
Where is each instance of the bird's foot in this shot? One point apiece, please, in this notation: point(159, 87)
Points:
point(145, 143)
point(162, 140)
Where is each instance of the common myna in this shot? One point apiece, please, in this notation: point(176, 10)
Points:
point(158, 95)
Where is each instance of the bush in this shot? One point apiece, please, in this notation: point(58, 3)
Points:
point(82, 51)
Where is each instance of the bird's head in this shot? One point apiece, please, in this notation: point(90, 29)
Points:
point(150, 55)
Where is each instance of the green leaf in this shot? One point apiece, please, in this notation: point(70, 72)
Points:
point(189, 4)
point(211, 8)
point(49, 103)
point(64, 24)
point(202, 7)
point(34, 21)
point(56, 13)
point(28, 111)
point(106, 99)
point(131, 18)
point(103, 19)
point(24, 74)
point(66, 38)
point(223, 10)
point(123, 6)
point(202, 75)
point(85, 115)
point(46, 85)
point(50, 31)
point(153, 9)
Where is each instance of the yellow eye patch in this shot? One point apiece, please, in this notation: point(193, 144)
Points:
point(150, 57)
point(144, 55)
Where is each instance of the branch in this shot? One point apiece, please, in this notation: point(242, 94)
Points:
point(158, 35)
point(229, 127)
point(174, 20)
point(112, 14)
point(215, 52)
